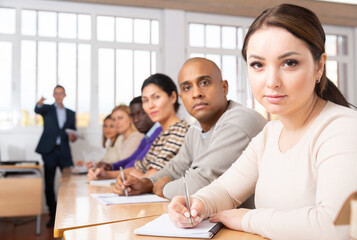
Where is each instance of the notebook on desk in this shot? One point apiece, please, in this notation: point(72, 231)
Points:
point(103, 183)
point(79, 170)
point(114, 199)
point(162, 226)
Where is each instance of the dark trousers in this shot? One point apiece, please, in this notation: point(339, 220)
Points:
point(51, 161)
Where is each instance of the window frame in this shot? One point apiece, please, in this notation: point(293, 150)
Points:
point(213, 19)
point(348, 87)
point(93, 10)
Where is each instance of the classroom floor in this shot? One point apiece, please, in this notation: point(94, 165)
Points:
point(8, 231)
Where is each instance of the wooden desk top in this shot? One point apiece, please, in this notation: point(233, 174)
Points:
point(77, 209)
point(25, 166)
point(125, 231)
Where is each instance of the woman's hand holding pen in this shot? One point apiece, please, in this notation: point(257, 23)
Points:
point(180, 215)
point(96, 173)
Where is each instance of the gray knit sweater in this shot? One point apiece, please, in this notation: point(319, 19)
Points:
point(205, 156)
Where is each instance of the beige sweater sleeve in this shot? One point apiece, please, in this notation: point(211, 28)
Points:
point(234, 186)
point(331, 171)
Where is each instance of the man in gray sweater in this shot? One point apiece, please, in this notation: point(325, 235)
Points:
point(212, 144)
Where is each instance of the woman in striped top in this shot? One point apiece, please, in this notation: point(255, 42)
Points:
point(160, 102)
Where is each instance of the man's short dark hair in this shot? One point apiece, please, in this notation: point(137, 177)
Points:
point(136, 100)
point(59, 86)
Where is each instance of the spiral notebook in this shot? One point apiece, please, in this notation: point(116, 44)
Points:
point(162, 226)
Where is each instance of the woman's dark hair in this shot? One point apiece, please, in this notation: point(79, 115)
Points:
point(104, 139)
point(305, 25)
point(165, 83)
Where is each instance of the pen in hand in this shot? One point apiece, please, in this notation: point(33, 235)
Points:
point(123, 179)
point(93, 165)
point(187, 198)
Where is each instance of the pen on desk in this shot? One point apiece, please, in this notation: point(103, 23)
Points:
point(123, 179)
point(93, 162)
point(187, 197)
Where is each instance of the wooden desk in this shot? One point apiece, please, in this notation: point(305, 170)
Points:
point(21, 195)
point(77, 209)
point(125, 231)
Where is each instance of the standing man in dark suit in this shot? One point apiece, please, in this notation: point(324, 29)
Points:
point(54, 143)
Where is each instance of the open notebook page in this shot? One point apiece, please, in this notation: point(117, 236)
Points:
point(162, 226)
point(112, 198)
point(104, 183)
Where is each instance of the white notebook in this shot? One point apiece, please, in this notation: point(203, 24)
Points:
point(79, 170)
point(112, 198)
point(105, 182)
point(162, 226)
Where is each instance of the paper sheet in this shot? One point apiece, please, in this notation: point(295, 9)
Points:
point(112, 198)
point(71, 131)
point(104, 183)
point(79, 169)
point(162, 226)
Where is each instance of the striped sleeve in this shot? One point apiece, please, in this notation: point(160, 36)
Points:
point(164, 148)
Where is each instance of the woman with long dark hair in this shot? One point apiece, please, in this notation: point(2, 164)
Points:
point(160, 102)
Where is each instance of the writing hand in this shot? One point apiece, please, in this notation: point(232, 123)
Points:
point(96, 173)
point(179, 214)
point(79, 163)
point(134, 185)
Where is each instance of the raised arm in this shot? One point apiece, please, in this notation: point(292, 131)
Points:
point(40, 107)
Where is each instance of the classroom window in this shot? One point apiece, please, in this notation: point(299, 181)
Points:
point(7, 29)
point(222, 43)
point(6, 116)
point(7, 21)
point(101, 57)
point(55, 50)
point(126, 57)
point(336, 47)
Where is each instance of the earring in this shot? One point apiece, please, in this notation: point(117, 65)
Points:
point(318, 80)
